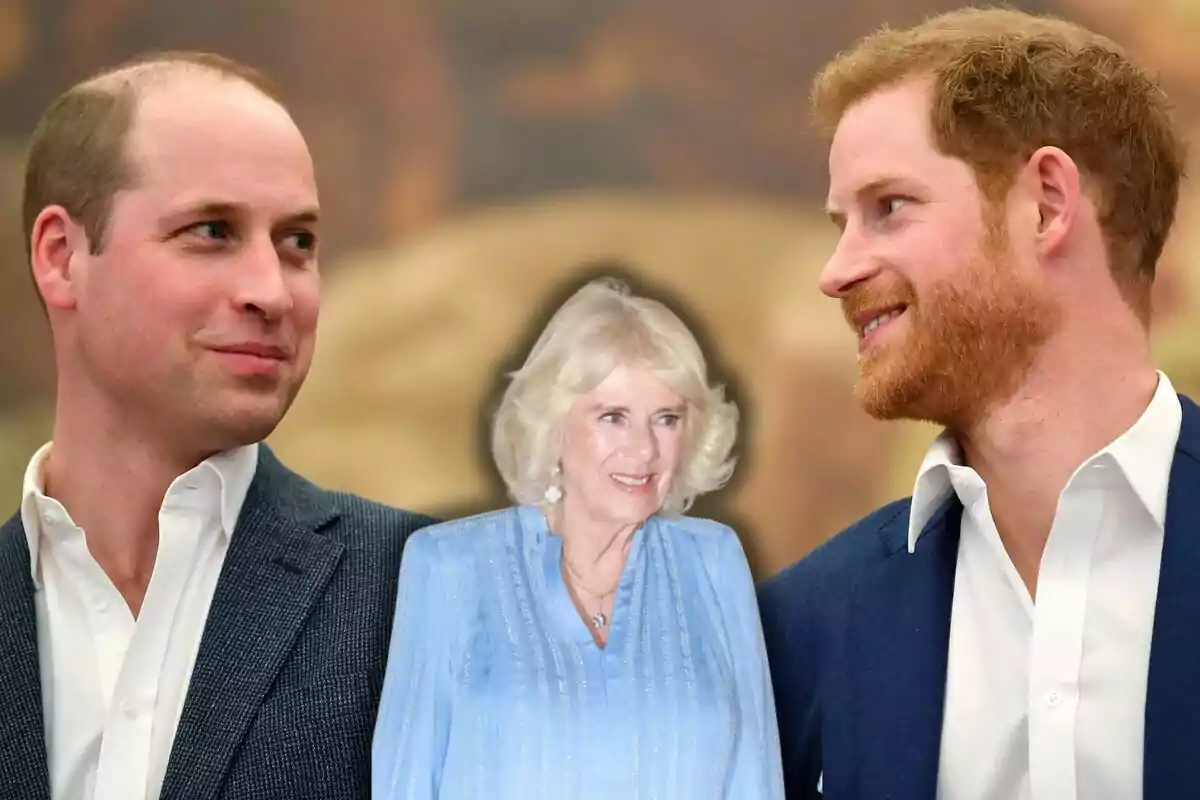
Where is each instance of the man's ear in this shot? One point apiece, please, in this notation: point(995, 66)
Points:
point(1052, 178)
point(56, 243)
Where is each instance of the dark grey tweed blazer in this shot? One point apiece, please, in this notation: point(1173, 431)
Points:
point(285, 688)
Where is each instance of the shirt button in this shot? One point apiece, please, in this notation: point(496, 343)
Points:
point(100, 605)
point(128, 709)
point(1053, 699)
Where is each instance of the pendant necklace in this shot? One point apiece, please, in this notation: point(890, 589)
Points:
point(599, 619)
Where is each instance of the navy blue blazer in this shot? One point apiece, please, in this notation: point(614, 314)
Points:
point(285, 688)
point(858, 631)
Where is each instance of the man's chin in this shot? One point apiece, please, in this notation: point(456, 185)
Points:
point(245, 423)
point(890, 398)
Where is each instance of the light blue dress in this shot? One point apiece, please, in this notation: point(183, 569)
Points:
point(495, 689)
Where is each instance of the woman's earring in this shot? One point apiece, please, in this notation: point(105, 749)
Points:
point(554, 492)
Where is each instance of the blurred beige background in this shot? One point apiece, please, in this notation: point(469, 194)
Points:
point(478, 159)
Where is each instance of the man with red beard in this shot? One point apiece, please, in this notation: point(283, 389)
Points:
point(1027, 624)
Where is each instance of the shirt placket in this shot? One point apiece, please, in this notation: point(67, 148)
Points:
point(1056, 649)
point(124, 763)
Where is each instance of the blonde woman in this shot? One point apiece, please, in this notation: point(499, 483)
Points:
point(590, 641)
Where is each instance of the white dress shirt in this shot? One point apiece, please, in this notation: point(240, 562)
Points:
point(1045, 700)
point(113, 687)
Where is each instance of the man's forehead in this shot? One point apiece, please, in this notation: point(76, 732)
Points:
point(885, 138)
point(178, 177)
point(204, 103)
point(881, 125)
point(212, 128)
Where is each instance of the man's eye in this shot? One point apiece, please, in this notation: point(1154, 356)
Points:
point(301, 240)
point(211, 229)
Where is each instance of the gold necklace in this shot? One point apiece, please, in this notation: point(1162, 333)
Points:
point(599, 620)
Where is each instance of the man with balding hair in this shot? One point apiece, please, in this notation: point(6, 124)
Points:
point(184, 616)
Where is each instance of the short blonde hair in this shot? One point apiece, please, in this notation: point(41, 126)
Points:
point(1005, 83)
point(600, 327)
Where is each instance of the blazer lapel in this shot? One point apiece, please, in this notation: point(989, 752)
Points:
point(1172, 703)
point(275, 570)
point(899, 640)
point(23, 771)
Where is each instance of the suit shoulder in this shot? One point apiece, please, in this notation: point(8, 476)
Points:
point(379, 519)
point(862, 544)
point(803, 608)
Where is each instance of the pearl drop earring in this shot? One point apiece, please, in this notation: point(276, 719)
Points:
point(554, 492)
